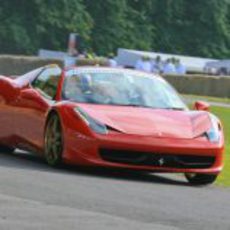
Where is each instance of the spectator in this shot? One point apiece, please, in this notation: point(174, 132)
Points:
point(180, 68)
point(157, 65)
point(169, 67)
point(144, 64)
point(174, 61)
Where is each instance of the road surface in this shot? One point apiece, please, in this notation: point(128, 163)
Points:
point(35, 196)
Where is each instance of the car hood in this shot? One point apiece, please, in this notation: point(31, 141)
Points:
point(151, 122)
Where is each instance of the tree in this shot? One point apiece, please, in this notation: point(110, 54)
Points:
point(140, 29)
point(200, 28)
point(207, 32)
point(116, 24)
point(41, 23)
point(168, 18)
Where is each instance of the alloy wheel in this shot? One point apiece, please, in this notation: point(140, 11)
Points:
point(53, 141)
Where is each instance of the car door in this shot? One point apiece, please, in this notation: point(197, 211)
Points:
point(33, 104)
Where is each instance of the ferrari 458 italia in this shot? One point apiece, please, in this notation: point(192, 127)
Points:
point(109, 117)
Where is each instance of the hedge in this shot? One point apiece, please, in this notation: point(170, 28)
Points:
point(17, 65)
point(216, 86)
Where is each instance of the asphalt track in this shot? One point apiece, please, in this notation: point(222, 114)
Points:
point(35, 196)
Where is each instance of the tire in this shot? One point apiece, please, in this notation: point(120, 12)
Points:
point(6, 149)
point(53, 143)
point(200, 179)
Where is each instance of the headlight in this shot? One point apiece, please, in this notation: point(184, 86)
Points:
point(92, 123)
point(213, 134)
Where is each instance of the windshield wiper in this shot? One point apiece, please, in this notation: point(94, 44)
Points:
point(151, 107)
point(141, 106)
point(174, 108)
point(133, 105)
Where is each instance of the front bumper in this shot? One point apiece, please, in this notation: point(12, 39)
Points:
point(162, 152)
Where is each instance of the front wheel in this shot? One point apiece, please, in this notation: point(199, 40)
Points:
point(53, 141)
point(200, 179)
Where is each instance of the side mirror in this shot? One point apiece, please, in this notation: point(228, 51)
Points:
point(201, 105)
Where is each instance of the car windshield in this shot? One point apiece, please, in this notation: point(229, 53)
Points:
point(123, 88)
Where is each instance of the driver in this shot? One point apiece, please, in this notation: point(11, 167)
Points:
point(73, 89)
point(94, 92)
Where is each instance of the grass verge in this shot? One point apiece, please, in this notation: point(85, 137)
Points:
point(224, 115)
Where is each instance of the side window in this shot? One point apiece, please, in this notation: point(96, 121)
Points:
point(47, 82)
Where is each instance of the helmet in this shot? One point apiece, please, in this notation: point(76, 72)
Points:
point(86, 83)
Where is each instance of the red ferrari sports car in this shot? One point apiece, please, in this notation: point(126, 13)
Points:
point(109, 117)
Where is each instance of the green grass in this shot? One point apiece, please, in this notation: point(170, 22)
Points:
point(224, 115)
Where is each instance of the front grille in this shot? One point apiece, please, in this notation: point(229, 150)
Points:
point(156, 159)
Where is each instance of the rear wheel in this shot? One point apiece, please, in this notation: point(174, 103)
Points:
point(200, 179)
point(6, 149)
point(53, 141)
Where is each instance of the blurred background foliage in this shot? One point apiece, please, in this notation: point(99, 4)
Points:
point(198, 28)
